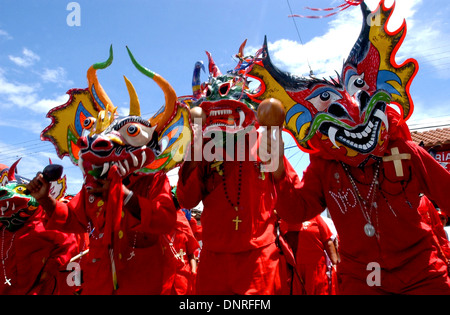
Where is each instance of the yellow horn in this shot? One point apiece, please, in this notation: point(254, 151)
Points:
point(135, 107)
point(160, 119)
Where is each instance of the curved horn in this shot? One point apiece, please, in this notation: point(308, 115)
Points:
point(135, 108)
point(97, 91)
point(285, 79)
point(241, 50)
point(213, 69)
point(12, 171)
point(169, 93)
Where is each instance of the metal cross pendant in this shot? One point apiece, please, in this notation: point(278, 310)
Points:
point(237, 221)
point(8, 281)
point(397, 158)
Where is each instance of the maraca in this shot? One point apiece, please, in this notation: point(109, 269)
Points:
point(197, 113)
point(271, 113)
point(50, 173)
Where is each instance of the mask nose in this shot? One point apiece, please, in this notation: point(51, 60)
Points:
point(363, 99)
point(101, 144)
point(96, 143)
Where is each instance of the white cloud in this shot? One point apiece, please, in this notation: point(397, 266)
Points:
point(5, 34)
point(44, 105)
point(9, 88)
point(26, 96)
point(58, 75)
point(326, 53)
point(27, 59)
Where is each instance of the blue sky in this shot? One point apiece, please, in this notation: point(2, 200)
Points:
point(41, 56)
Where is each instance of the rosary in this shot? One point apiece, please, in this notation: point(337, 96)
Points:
point(369, 229)
point(7, 281)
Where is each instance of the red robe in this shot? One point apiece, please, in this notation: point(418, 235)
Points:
point(34, 259)
point(311, 257)
point(403, 247)
point(431, 217)
point(138, 257)
point(235, 242)
point(178, 245)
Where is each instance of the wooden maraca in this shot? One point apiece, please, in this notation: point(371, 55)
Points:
point(271, 113)
point(197, 113)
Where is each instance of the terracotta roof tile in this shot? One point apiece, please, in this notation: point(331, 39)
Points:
point(432, 138)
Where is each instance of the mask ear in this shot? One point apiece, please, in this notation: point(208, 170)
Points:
point(289, 89)
point(68, 120)
point(371, 65)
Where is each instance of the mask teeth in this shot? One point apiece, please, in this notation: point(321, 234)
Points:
point(135, 160)
point(332, 135)
point(105, 169)
point(382, 116)
point(144, 158)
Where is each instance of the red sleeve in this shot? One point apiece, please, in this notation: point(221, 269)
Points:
point(158, 213)
point(434, 178)
point(300, 200)
point(190, 191)
point(69, 217)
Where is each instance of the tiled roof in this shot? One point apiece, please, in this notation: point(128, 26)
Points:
point(432, 138)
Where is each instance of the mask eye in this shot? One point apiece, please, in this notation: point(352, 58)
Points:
point(360, 83)
point(88, 122)
point(357, 83)
point(208, 91)
point(136, 134)
point(325, 96)
point(224, 89)
point(20, 190)
point(133, 130)
point(322, 98)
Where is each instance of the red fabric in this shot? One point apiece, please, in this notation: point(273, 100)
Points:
point(404, 246)
point(312, 239)
point(35, 258)
point(113, 206)
point(431, 217)
point(140, 273)
point(310, 256)
point(256, 227)
point(313, 279)
point(178, 276)
point(256, 206)
point(260, 271)
point(196, 228)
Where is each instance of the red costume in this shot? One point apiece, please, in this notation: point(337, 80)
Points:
point(311, 257)
point(34, 259)
point(403, 245)
point(138, 256)
point(178, 246)
point(239, 255)
point(431, 217)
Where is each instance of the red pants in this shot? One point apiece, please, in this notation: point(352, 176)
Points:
point(258, 272)
point(314, 279)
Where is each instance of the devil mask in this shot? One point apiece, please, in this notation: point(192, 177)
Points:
point(348, 118)
point(89, 131)
point(17, 206)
